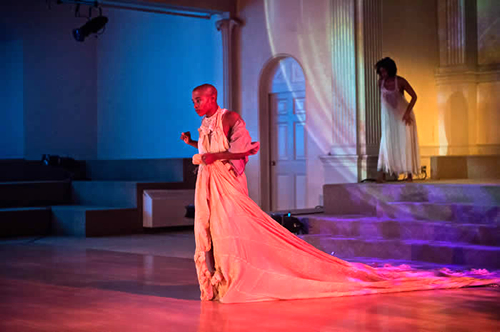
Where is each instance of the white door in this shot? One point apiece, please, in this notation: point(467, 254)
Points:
point(288, 150)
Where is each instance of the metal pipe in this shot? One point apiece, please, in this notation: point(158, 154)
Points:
point(143, 8)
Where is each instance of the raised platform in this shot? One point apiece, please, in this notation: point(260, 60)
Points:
point(344, 199)
point(465, 167)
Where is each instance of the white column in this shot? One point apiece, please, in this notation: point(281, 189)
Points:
point(356, 46)
point(369, 51)
point(344, 77)
point(225, 26)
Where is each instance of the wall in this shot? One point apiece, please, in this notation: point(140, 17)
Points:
point(51, 106)
point(11, 99)
point(488, 31)
point(205, 5)
point(413, 44)
point(468, 77)
point(287, 27)
point(488, 99)
point(148, 65)
point(126, 94)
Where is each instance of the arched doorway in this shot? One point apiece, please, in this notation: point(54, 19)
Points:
point(283, 135)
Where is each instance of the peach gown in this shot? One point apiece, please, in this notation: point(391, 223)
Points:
point(256, 259)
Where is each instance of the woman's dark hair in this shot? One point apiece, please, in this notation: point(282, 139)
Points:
point(389, 65)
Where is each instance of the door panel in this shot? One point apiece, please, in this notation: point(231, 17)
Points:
point(288, 150)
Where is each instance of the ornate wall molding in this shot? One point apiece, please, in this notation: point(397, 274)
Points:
point(457, 150)
point(483, 74)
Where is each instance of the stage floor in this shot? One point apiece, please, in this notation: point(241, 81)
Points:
point(148, 283)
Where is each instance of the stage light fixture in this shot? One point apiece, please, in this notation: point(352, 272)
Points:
point(293, 224)
point(92, 26)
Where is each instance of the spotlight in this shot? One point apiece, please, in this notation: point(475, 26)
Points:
point(92, 26)
point(293, 224)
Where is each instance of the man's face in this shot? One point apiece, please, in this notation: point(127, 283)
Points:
point(203, 102)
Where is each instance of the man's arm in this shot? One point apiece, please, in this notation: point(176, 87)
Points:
point(194, 144)
point(186, 137)
point(209, 158)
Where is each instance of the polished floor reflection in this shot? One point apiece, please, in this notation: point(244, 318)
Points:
point(120, 284)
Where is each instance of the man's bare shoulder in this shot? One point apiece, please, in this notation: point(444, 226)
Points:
point(230, 118)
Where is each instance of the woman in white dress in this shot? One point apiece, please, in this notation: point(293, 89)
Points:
point(399, 151)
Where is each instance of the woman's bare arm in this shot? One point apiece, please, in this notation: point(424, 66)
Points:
point(408, 88)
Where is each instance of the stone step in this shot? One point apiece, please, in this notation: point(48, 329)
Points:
point(105, 193)
point(356, 198)
point(391, 229)
point(468, 213)
point(25, 222)
point(34, 193)
point(427, 266)
point(149, 170)
point(88, 221)
point(445, 253)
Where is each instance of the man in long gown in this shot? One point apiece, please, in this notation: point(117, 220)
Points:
point(255, 258)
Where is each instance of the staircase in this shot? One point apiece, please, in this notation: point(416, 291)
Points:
point(445, 224)
point(110, 204)
point(25, 206)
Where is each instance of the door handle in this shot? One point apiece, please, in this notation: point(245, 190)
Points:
point(273, 163)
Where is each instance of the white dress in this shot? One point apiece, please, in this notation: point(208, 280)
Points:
point(399, 151)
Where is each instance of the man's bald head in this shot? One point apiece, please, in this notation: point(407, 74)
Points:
point(206, 89)
point(205, 100)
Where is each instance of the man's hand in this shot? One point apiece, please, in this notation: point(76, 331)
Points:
point(209, 158)
point(186, 137)
point(255, 148)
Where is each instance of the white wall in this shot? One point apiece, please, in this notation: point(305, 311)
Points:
point(289, 28)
